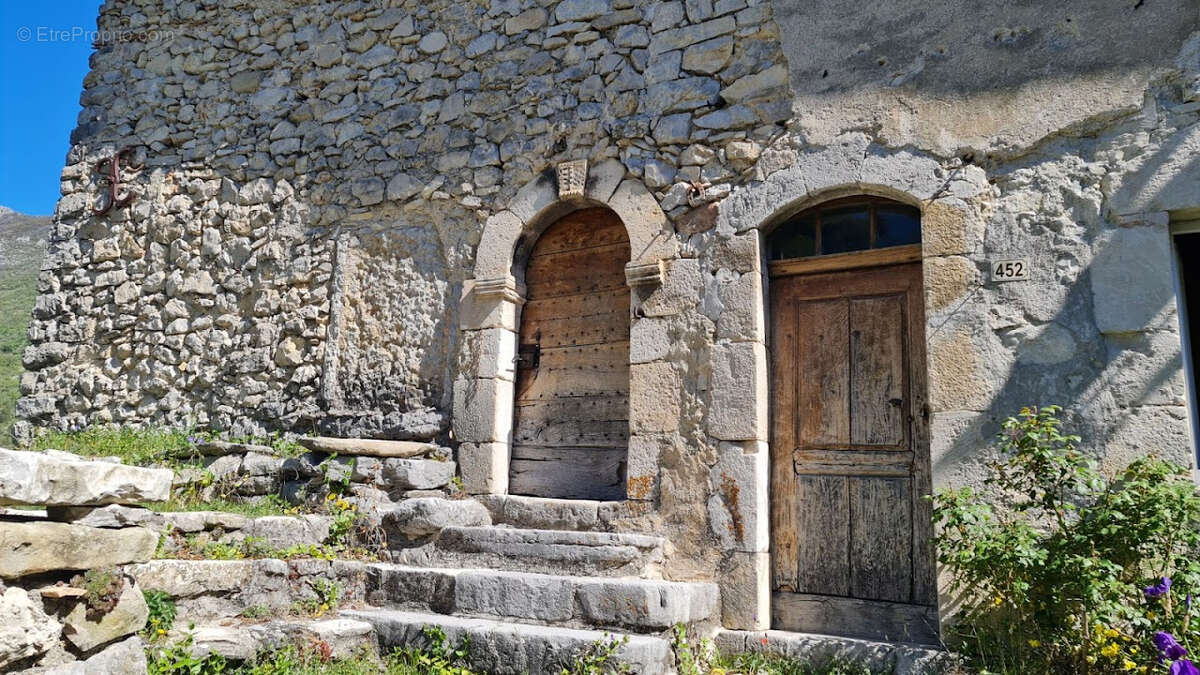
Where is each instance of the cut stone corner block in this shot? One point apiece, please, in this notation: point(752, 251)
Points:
point(740, 480)
point(745, 584)
point(483, 409)
point(739, 408)
point(484, 468)
point(492, 302)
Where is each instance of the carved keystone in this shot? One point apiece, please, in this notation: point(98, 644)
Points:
point(572, 178)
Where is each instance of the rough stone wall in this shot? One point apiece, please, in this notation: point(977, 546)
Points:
point(267, 131)
point(317, 178)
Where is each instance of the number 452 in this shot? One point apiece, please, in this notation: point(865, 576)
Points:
point(1010, 270)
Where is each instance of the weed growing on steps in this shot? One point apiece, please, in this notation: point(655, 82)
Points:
point(102, 588)
point(327, 593)
point(162, 613)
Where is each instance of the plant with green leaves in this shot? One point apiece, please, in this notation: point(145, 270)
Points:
point(178, 658)
point(599, 658)
point(162, 612)
point(1066, 573)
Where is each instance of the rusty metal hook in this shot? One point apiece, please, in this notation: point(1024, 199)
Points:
point(110, 172)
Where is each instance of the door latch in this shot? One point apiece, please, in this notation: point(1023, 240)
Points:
point(529, 356)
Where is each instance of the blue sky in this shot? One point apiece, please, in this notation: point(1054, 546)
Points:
point(44, 54)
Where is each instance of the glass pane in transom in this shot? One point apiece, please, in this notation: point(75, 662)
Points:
point(794, 239)
point(897, 226)
point(844, 230)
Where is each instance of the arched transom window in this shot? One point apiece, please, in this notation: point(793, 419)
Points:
point(845, 226)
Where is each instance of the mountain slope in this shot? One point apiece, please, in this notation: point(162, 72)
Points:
point(22, 247)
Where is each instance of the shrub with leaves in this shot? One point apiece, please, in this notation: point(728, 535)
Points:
point(161, 615)
point(1064, 572)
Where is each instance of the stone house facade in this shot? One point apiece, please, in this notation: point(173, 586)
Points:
point(334, 213)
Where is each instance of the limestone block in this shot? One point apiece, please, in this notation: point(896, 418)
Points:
point(198, 521)
point(1145, 369)
point(679, 292)
point(1160, 430)
point(483, 410)
point(491, 352)
point(417, 474)
point(645, 451)
point(415, 518)
point(532, 198)
point(25, 630)
point(510, 648)
point(944, 228)
point(649, 339)
point(745, 581)
point(480, 311)
point(649, 230)
point(30, 548)
point(514, 594)
point(738, 510)
point(127, 617)
point(111, 516)
point(34, 478)
point(948, 280)
point(739, 253)
point(368, 447)
point(545, 514)
point(645, 603)
point(655, 397)
point(738, 408)
point(918, 176)
point(127, 657)
point(285, 531)
point(494, 255)
point(603, 180)
point(1133, 287)
point(742, 308)
point(484, 467)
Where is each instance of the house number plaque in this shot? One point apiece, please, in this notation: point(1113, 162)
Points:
point(1010, 270)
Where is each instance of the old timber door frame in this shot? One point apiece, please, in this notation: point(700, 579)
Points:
point(851, 534)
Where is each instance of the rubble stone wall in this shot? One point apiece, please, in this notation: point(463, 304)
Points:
point(327, 222)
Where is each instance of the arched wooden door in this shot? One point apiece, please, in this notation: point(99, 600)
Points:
point(571, 418)
point(851, 529)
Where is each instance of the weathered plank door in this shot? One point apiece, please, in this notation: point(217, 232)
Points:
point(571, 426)
point(851, 532)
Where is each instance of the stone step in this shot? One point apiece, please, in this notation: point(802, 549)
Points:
point(894, 658)
point(503, 648)
point(239, 640)
point(609, 554)
point(206, 591)
point(550, 514)
point(637, 605)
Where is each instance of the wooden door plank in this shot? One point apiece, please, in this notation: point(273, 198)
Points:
point(823, 398)
point(878, 410)
point(823, 539)
point(569, 473)
point(870, 620)
point(784, 565)
point(881, 538)
point(924, 569)
point(581, 229)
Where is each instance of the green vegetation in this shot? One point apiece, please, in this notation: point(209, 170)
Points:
point(102, 588)
point(162, 613)
point(142, 447)
point(18, 289)
point(1072, 571)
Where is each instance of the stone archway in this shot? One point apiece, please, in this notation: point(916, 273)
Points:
point(493, 298)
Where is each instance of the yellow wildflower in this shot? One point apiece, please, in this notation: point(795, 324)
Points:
point(1035, 643)
point(1111, 633)
point(1110, 650)
point(161, 631)
point(998, 600)
point(1128, 665)
point(1090, 658)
